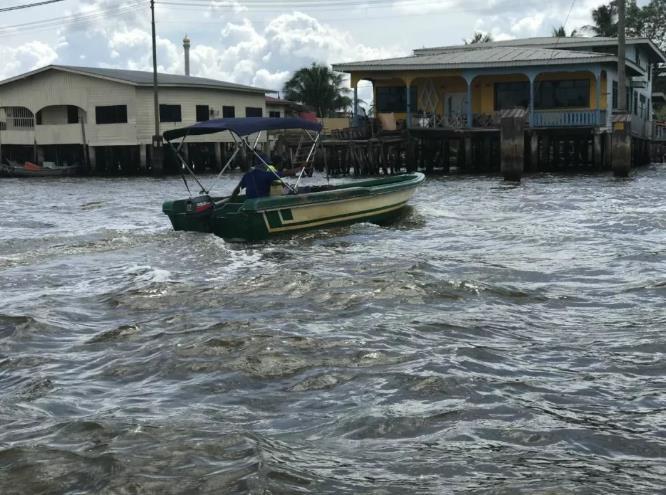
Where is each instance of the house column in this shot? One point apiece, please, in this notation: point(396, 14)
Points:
point(355, 101)
point(469, 77)
point(354, 80)
point(532, 77)
point(609, 101)
point(597, 96)
point(408, 98)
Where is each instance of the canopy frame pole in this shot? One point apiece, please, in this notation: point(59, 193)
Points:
point(307, 160)
point(256, 141)
point(268, 166)
point(185, 165)
point(237, 149)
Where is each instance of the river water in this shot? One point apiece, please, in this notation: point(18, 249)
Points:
point(498, 338)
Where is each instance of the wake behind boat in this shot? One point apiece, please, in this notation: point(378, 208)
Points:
point(288, 208)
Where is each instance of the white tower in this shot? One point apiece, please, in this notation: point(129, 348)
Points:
point(186, 47)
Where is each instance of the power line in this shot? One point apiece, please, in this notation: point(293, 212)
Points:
point(28, 5)
point(44, 24)
point(276, 5)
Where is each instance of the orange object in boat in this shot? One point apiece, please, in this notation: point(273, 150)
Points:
point(31, 166)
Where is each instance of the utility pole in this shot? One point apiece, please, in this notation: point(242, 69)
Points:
point(621, 138)
point(157, 157)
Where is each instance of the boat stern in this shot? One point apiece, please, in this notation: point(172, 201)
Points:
point(192, 214)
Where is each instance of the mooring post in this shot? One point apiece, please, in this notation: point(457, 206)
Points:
point(469, 158)
point(143, 161)
point(534, 151)
point(621, 148)
point(597, 151)
point(92, 158)
point(607, 165)
point(512, 145)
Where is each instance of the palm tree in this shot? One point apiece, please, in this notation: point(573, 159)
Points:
point(605, 20)
point(319, 88)
point(479, 38)
point(561, 32)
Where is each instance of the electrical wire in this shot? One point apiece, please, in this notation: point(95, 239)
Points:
point(28, 5)
point(44, 24)
point(280, 5)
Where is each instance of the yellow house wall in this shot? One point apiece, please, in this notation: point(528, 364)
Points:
point(483, 93)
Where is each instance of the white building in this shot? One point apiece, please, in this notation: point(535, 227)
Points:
point(104, 118)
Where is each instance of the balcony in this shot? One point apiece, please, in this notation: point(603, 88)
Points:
point(18, 136)
point(568, 118)
point(59, 134)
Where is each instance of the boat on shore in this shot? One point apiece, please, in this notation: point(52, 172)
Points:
point(29, 169)
point(289, 208)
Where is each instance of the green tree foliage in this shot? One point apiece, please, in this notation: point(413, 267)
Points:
point(319, 88)
point(479, 38)
point(605, 20)
point(561, 32)
point(648, 21)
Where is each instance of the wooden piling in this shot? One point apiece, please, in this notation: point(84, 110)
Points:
point(621, 148)
point(512, 147)
point(596, 154)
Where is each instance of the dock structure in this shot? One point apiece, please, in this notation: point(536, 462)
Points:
point(518, 106)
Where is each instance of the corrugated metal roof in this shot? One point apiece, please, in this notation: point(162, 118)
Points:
point(145, 78)
point(575, 42)
point(489, 57)
point(541, 41)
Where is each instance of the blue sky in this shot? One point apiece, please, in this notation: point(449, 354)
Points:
point(260, 42)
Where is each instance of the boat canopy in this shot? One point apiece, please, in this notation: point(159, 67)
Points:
point(242, 126)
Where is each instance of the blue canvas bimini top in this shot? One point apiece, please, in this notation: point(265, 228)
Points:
point(242, 126)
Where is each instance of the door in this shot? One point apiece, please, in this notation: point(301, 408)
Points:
point(455, 109)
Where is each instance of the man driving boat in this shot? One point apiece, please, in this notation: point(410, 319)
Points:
point(257, 181)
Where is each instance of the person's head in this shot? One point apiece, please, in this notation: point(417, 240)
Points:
point(261, 160)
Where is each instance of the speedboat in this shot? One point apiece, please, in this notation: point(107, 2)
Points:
point(290, 207)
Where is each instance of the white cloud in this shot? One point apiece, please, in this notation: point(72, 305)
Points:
point(425, 6)
point(528, 25)
point(25, 58)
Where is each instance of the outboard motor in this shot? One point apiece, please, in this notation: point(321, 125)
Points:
point(200, 204)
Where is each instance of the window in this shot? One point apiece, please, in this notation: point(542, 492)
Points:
point(274, 114)
point(394, 99)
point(512, 95)
point(253, 112)
point(113, 114)
point(635, 103)
point(203, 113)
point(170, 113)
point(642, 108)
point(615, 95)
point(228, 112)
point(562, 94)
point(72, 114)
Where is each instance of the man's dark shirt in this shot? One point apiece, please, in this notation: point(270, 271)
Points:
point(257, 183)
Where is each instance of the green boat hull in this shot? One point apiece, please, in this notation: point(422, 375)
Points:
point(377, 200)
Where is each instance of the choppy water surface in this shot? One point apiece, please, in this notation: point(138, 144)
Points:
point(497, 339)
